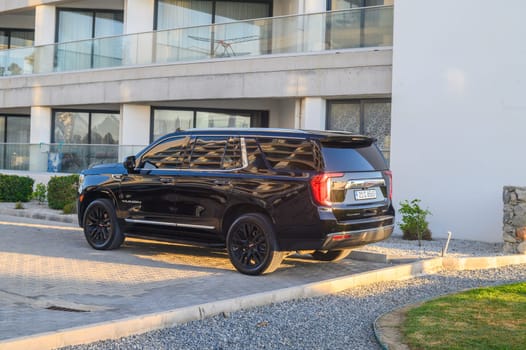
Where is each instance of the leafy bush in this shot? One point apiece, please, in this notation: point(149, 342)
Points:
point(62, 190)
point(19, 205)
point(70, 208)
point(414, 224)
point(14, 188)
point(40, 193)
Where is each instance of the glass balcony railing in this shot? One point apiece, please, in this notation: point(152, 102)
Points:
point(61, 158)
point(336, 30)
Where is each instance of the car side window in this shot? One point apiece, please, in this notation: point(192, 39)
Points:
point(290, 154)
point(169, 154)
point(215, 153)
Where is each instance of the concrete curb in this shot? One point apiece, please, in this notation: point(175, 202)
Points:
point(41, 214)
point(387, 335)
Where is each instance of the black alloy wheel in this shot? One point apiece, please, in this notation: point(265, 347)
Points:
point(331, 255)
point(251, 245)
point(101, 227)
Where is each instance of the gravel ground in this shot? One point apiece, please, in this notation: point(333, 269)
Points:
point(395, 245)
point(339, 321)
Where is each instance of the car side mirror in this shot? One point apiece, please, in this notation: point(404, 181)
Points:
point(129, 164)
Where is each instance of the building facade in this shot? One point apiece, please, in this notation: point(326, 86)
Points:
point(86, 82)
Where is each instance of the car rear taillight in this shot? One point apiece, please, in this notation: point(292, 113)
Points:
point(389, 174)
point(321, 187)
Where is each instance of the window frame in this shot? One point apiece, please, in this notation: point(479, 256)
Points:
point(263, 115)
point(4, 136)
point(362, 102)
point(10, 30)
point(89, 112)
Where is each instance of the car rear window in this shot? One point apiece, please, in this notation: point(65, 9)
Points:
point(347, 157)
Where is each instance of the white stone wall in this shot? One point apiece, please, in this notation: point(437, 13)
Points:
point(458, 110)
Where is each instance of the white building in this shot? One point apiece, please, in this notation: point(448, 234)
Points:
point(439, 84)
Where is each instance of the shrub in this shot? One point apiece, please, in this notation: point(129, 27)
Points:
point(70, 208)
point(414, 224)
point(14, 188)
point(40, 193)
point(19, 205)
point(62, 190)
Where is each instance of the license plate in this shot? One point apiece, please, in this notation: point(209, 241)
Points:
point(364, 194)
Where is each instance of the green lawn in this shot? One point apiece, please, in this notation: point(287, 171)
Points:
point(485, 318)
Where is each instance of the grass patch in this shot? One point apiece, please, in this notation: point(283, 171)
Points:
point(485, 318)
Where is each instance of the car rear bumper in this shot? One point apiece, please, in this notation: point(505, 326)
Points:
point(349, 239)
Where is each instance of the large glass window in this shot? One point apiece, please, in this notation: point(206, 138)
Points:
point(361, 28)
point(201, 42)
point(370, 117)
point(15, 38)
point(74, 29)
point(14, 138)
point(166, 120)
point(187, 13)
point(84, 139)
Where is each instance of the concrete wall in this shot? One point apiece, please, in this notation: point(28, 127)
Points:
point(353, 72)
point(458, 110)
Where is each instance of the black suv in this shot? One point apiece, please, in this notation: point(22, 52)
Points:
point(261, 192)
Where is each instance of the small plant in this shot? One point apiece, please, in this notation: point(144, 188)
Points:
point(14, 188)
point(414, 224)
point(19, 205)
point(62, 190)
point(40, 193)
point(70, 208)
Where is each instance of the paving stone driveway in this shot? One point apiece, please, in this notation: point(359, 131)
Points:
point(44, 267)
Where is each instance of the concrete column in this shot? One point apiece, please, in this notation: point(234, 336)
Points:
point(139, 18)
point(45, 22)
point(313, 113)
point(312, 6)
point(39, 138)
point(135, 128)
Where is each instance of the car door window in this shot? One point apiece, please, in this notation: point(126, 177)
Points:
point(215, 153)
point(170, 154)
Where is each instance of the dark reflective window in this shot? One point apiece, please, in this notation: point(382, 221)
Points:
point(220, 153)
point(348, 158)
point(289, 154)
point(170, 154)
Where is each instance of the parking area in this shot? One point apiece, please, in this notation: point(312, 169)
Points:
point(50, 279)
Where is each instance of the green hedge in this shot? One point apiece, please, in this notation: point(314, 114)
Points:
point(14, 188)
point(62, 190)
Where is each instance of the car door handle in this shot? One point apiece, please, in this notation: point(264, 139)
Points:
point(166, 180)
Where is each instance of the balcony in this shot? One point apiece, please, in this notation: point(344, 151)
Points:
point(61, 158)
point(310, 33)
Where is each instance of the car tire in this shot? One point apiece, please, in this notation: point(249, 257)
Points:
point(251, 245)
point(101, 227)
point(331, 255)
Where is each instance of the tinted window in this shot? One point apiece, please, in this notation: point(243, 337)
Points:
point(215, 153)
point(349, 158)
point(290, 154)
point(170, 154)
